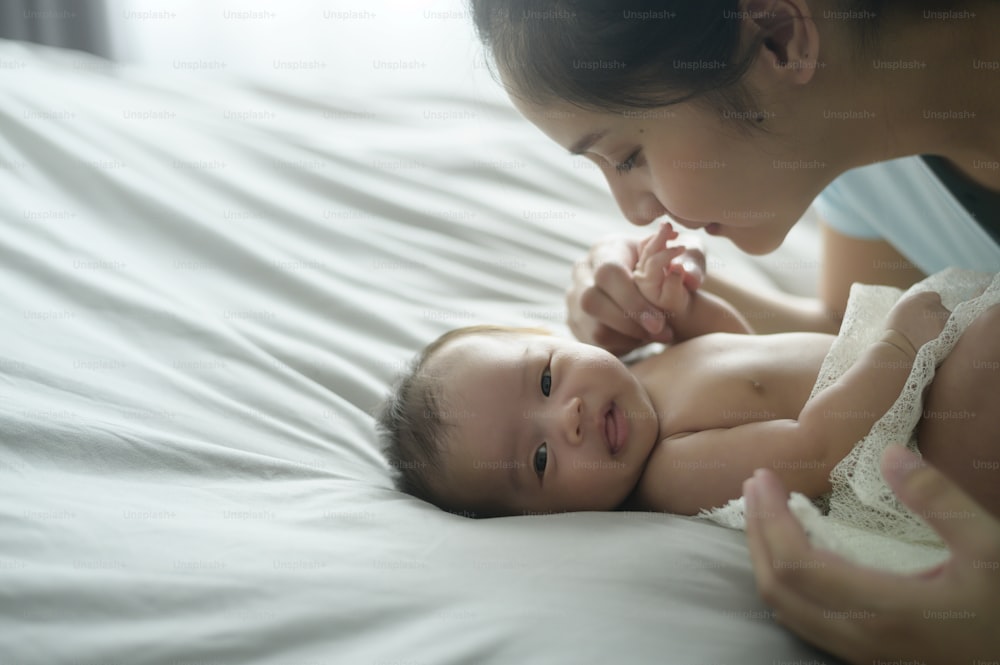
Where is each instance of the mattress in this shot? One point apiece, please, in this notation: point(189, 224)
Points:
point(207, 287)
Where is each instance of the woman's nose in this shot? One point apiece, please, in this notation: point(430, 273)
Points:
point(636, 202)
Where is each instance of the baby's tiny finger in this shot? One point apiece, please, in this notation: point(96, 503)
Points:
point(664, 234)
point(670, 252)
point(660, 262)
point(651, 246)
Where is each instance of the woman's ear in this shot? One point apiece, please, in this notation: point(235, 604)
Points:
point(790, 46)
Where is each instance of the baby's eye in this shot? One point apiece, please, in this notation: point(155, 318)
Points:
point(541, 457)
point(547, 381)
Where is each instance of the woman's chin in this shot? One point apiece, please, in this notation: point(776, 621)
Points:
point(753, 240)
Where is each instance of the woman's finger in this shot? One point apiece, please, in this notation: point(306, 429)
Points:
point(966, 527)
point(786, 563)
point(616, 302)
point(614, 249)
point(604, 304)
point(605, 312)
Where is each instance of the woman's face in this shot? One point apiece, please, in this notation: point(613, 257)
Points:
point(696, 166)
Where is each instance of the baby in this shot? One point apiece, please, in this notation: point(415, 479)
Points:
point(499, 421)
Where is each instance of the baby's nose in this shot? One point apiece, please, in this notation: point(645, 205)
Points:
point(572, 421)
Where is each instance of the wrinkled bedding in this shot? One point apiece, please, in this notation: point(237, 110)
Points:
point(206, 289)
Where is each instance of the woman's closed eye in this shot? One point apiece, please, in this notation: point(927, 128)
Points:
point(628, 164)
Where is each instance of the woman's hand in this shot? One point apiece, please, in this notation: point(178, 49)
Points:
point(604, 304)
point(947, 615)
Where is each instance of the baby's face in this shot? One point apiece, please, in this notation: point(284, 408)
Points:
point(537, 424)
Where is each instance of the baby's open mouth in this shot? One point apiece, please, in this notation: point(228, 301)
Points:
point(615, 429)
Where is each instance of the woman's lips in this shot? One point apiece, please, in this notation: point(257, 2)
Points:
point(711, 228)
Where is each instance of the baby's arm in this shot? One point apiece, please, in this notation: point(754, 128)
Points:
point(662, 278)
point(695, 470)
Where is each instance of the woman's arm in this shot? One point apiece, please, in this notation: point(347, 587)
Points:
point(605, 306)
point(773, 311)
point(844, 260)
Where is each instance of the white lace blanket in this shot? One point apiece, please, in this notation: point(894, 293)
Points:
point(866, 522)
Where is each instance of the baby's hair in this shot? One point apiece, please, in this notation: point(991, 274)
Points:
point(606, 56)
point(410, 424)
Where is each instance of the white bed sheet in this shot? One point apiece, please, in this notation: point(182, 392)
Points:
point(206, 289)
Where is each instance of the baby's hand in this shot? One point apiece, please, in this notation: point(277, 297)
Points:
point(667, 273)
point(919, 317)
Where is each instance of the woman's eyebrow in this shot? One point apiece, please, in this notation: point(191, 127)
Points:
point(585, 143)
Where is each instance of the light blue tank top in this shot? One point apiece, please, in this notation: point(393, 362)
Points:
point(904, 203)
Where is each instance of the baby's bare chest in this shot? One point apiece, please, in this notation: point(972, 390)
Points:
point(727, 380)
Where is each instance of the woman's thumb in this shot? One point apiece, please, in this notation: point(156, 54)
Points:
point(933, 497)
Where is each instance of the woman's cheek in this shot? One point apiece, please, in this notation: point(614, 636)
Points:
point(703, 194)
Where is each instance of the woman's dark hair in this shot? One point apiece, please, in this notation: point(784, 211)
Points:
point(605, 55)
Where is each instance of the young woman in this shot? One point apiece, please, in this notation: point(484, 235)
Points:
point(734, 116)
